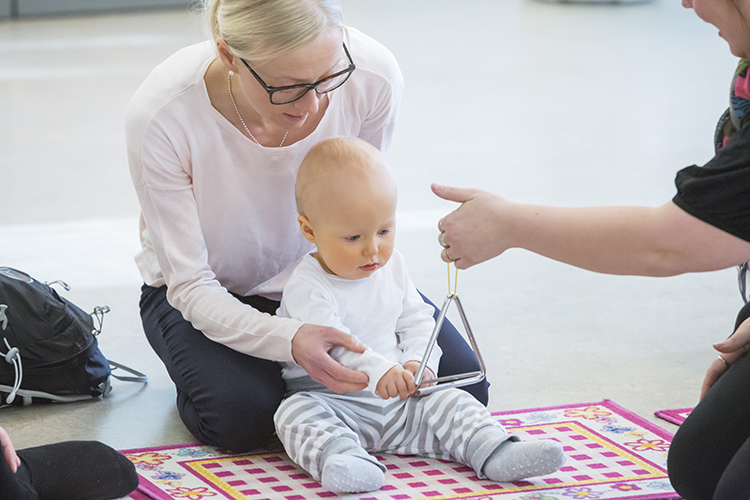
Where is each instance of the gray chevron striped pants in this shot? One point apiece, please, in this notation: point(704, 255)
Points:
point(448, 425)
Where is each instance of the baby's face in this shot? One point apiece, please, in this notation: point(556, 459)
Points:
point(357, 239)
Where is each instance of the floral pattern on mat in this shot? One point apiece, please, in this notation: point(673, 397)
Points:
point(611, 454)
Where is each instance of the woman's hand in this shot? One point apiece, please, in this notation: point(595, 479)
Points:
point(731, 350)
point(471, 233)
point(310, 347)
point(8, 451)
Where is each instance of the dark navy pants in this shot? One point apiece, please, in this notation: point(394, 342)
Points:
point(226, 398)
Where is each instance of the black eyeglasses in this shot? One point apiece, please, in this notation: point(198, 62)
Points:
point(291, 93)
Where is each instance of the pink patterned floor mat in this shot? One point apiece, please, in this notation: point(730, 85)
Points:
point(677, 416)
point(611, 454)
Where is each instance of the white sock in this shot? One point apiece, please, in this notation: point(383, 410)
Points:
point(351, 474)
point(514, 460)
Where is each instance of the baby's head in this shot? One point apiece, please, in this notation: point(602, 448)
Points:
point(346, 199)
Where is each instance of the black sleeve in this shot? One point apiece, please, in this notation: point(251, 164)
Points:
point(719, 192)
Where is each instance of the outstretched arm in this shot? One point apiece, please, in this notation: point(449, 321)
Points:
point(645, 241)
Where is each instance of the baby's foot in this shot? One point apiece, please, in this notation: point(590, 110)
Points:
point(351, 474)
point(514, 460)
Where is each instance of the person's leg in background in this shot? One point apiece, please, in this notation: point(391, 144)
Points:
point(15, 484)
point(458, 357)
point(73, 470)
point(225, 398)
point(709, 445)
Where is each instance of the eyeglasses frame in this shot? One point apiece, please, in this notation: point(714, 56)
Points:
point(309, 86)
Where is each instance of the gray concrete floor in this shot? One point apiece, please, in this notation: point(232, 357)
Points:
point(568, 104)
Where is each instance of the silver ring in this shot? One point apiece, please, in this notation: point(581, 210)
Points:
point(440, 226)
point(448, 255)
point(724, 361)
point(442, 241)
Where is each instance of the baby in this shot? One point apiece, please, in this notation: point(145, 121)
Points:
point(357, 282)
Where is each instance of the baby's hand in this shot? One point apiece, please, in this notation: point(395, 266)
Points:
point(396, 382)
point(413, 366)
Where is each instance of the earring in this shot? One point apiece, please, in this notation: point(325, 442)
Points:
point(231, 73)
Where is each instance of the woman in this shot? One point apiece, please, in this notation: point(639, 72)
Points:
point(215, 136)
point(705, 227)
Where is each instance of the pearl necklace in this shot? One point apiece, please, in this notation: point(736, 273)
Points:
point(231, 96)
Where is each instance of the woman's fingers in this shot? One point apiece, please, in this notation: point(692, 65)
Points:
point(310, 349)
point(739, 342)
point(714, 372)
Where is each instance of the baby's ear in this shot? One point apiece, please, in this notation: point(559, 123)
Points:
point(306, 228)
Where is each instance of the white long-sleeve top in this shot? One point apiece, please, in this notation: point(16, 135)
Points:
point(384, 311)
point(217, 210)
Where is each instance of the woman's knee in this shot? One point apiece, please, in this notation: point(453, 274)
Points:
point(225, 398)
point(682, 466)
point(239, 421)
point(697, 457)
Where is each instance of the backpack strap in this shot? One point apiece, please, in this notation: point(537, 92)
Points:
point(27, 396)
point(3, 317)
point(13, 357)
point(97, 316)
point(139, 377)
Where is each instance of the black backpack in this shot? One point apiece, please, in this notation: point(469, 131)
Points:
point(52, 351)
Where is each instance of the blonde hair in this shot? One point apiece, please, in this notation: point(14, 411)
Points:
point(259, 30)
point(338, 158)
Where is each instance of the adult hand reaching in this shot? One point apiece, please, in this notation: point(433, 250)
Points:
point(630, 240)
point(310, 349)
point(473, 232)
point(731, 349)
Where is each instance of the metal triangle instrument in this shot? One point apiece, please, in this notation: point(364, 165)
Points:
point(458, 380)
